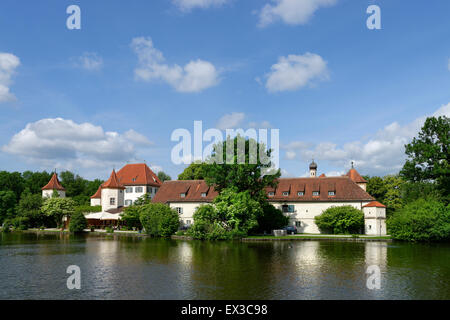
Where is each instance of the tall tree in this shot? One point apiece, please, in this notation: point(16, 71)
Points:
point(195, 171)
point(429, 155)
point(163, 176)
point(7, 205)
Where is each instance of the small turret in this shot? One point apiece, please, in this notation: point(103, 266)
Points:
point(313, 169)
point(53, 186)
point(112, 195)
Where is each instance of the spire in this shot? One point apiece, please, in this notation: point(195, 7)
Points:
point(54, 184)
point(113, 182)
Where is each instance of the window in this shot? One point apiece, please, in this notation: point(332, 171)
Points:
point(316, 193)
point(179, 210)
point(129, 190)
point(112, 201)
point(139, 189)
point(203, 194)
point(300, 193)
point(188, 222)
point(288, 208)
point(286, 193)
point(298, 224)
point(128, 202)
point(183, 195)
point(134, 179)
point(331, 193)
point(271, 194)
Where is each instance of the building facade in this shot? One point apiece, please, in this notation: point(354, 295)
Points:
point(300, 199)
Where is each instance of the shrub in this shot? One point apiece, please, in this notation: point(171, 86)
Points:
point(271, 219)
point(20, 223)
point(88, 209)
point(130, 217)
point(6, 225)
point(77, 222)
point(421, 220)
point(340, 220)
point(109, 230)
point(159, 220)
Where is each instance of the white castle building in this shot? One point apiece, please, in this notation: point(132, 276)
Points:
point(301, 199)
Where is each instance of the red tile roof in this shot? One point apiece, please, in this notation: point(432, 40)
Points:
point(138, 174)
point(98, 194)
point(113, 182)
point(54, 184)
point(344, 188)
point(171, 191)
point(355, 176)
point(375, 204)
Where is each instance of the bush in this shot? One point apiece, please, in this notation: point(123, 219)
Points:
point(340, 220)
point(130, 217)
point(421, 220)
point(20, 223)
point(159, 220)
point(109, 230)
point(77, 222)
point(88, 209)
point(271, 219)
point(6, 225)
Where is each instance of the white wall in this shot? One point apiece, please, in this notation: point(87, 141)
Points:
point(96, 202)
point(107, 194)
point(133, 196)
point(188, 210)
point(375, 221)
point(49, 193)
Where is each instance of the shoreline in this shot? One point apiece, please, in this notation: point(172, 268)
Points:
point(248, 239)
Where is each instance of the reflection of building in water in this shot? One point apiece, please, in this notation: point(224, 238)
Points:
point(376, 254)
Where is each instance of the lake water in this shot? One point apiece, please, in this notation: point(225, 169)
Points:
point(117, 267)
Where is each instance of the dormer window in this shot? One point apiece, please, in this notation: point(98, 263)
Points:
point(271, 194)
point(203, 194)
point(316, 193)
point(300, 193)
point(331, 193)
point(183, 195)
point(134, 179)
point(285, 193)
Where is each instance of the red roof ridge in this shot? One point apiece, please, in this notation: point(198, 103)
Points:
point(355, 176)
point(374, 204)
point(54, 184)
point(113, 182)
point(98, 193)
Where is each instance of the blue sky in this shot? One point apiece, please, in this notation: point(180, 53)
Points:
point(336, 90)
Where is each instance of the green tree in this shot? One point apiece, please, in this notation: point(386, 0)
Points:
point(376, 188)
point(77, 222)
point(159, 220)
point(12, 182)
point(131, 217)
point(340, 220)
point(163, 176)
point(421, 220)
point(271, 219)
point(429, 155)
point(57, 208)
point(30, 207)
point(195, 171)
point(244, 171)
point(146, 198)
point(393, 196)
point(237, 211)
point(34, 181)
point(7, 205)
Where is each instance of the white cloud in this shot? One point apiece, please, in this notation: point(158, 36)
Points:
point(296, 71)
point(195, 76)
point(187, 5)
point(8, 65)
point(384, 153)
point(230, 121)
point(90, 61)
point(66, 144)
point(292, 12)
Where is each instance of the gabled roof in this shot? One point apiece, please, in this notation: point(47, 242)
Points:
point(138, 174)
point(375, 204)
point(343, 187)
point(171, 191)
point(54, 184)
point(112, 182)
point(355, 176)
point(98, 194)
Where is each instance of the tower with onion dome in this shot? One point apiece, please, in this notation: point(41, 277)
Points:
point(313, 169)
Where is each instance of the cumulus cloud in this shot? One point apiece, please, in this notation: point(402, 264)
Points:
point(90, 61)
point(63, 143)
point(292, 12)
point(8, 65)
point(188, 5)
point(296, 71)
point(230, 121)
point(384, 153)
point(195, 76)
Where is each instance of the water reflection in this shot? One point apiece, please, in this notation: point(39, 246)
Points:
point(34, 266)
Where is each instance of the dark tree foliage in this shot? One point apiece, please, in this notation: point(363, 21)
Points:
point(195, 171)
point(163, 176)
point(429, 155)
point(240, 173)
point(7, 203)
point(341, 220)
point(159, 220)
point(77, 222)
point(30, 207)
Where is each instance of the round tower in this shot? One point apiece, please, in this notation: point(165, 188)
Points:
point(313, 169)
point(53, 186)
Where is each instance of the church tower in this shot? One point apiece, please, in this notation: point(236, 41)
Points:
point(313, 169)
point(52, 186)
point(112, 193)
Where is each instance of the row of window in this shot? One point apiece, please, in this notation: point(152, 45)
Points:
point(183, 195)
point(301, 193)
point(140, 190)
